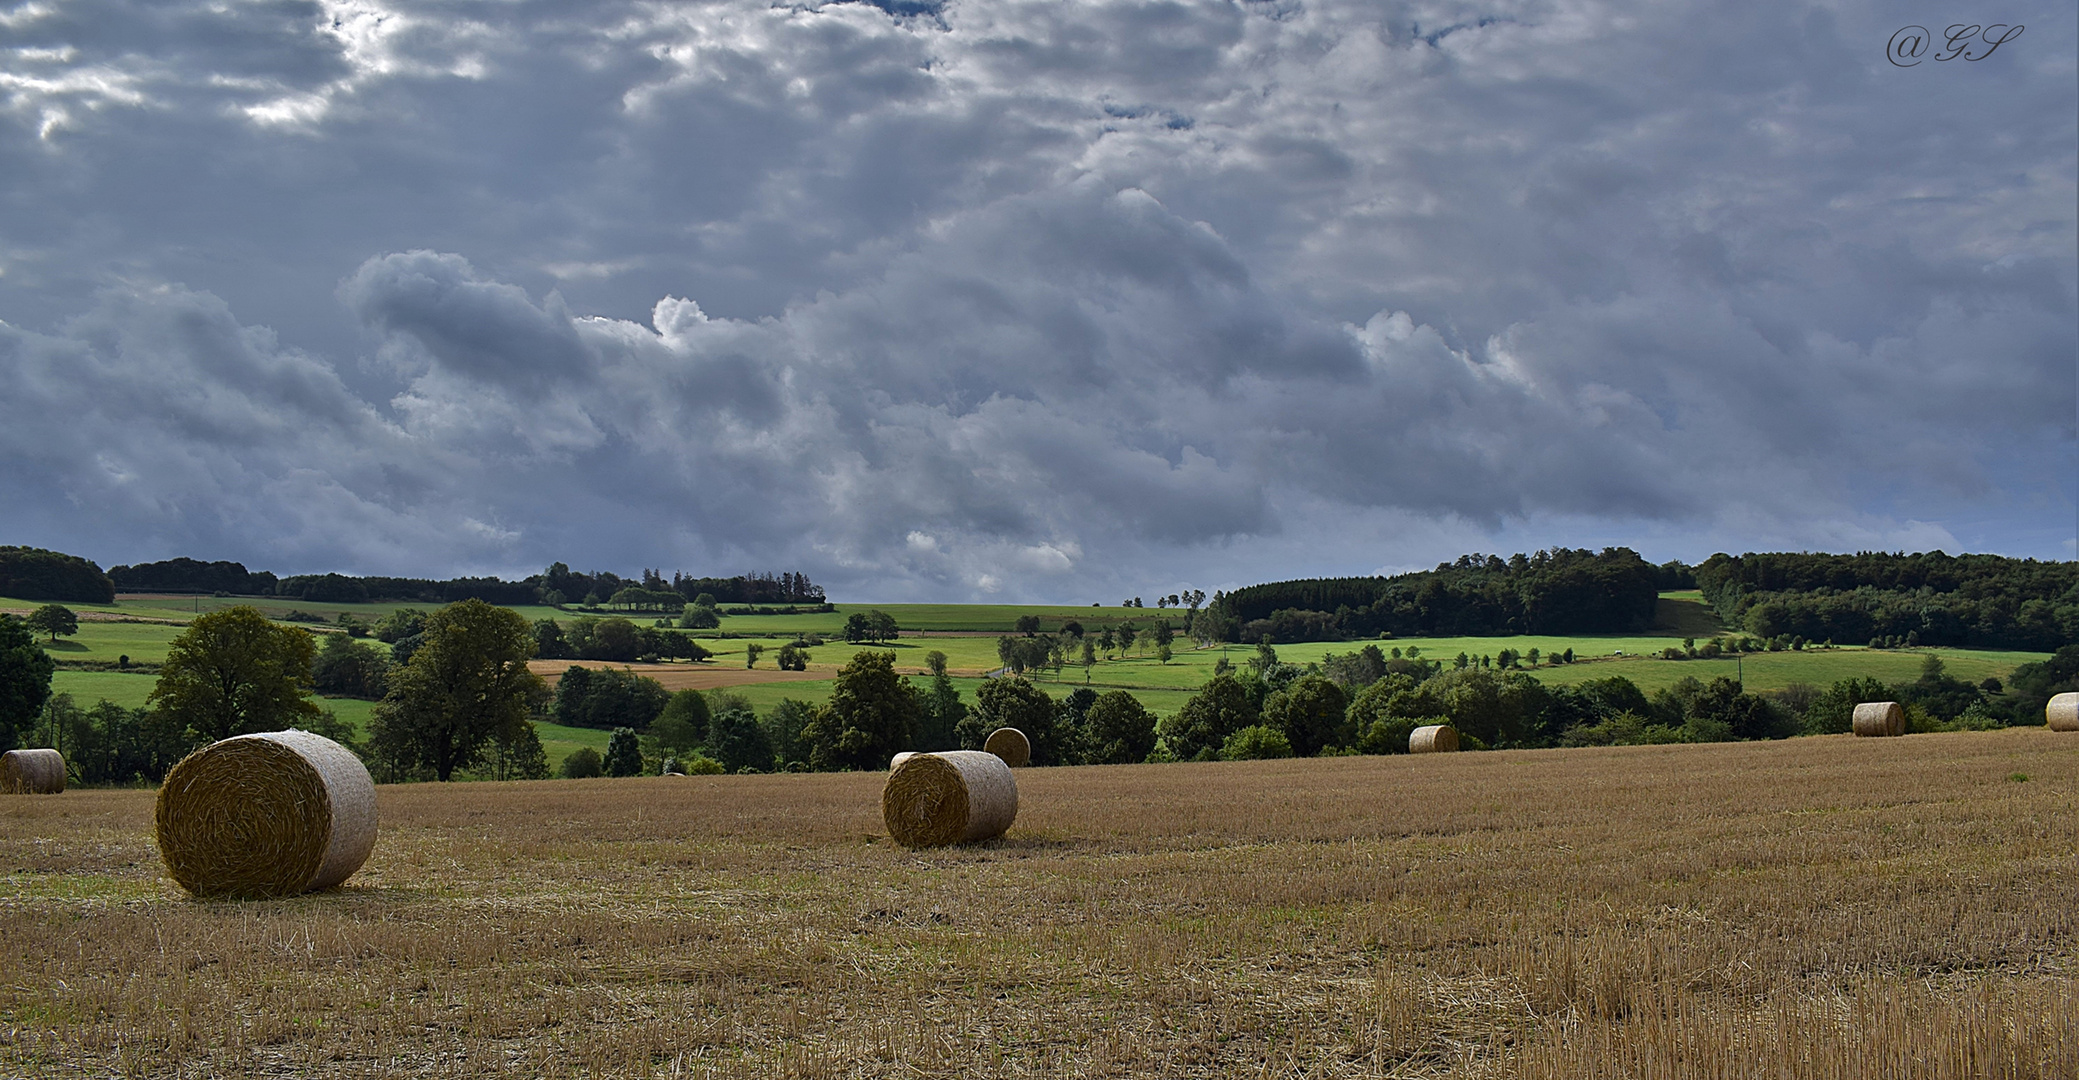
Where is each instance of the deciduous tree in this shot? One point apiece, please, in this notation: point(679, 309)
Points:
point(467, 682)
point(54, 619)
point(25, 680)
point(233, 672)
point(872, 714)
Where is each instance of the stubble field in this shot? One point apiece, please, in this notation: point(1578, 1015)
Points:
point(1821, 907)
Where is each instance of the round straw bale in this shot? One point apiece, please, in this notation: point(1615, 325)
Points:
point(1434, 739)
point(2062, 714)
point(954, 797)
point(1010, 744)
point(1880, 718)
point(273, 814)
point(32, 772)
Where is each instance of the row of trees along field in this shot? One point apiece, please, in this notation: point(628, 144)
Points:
point(464, 701)
point(1362, 702)
point(1984, 601)
point(65, 577)
point(1560, 591)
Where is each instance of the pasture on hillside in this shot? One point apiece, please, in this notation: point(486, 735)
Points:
point(1819, 908)
point(149, 623)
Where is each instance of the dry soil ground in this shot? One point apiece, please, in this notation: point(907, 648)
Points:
point(1825, 907)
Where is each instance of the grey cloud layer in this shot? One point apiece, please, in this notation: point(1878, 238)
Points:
point(1026, 297)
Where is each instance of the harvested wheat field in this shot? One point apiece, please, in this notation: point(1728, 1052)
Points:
point(1826, 907)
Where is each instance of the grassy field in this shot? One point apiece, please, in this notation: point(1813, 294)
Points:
point(1818, 909)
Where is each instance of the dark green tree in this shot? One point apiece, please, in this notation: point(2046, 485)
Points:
point(549, 643)
point(606, 698)
point(54, 619)
point(25, 680)
point(467, 683)
point(1310, 713)
point(613, 639)
point(348, 668)
point(623, 754)
point(1121, 729)
point(232, 672)
point(1220, 708)
point(943, 711)
point(736, 739)
point(1012, 702)
point(583, 763)
point(516, 753)
point(872, 714)
point(682, 726)
point(404, 622)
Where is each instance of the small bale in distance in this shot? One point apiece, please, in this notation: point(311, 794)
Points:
point(266, 815)
point(32, 772)
point(1879, 718)
point(1433, 739)
point(1011, 745)
point(2062, 714)
point(953, 797)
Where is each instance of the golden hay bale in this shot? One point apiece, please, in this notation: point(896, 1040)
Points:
point(1010, 744)
point(273, 814)
point(1875, 718)
point(1434, 739)
point(32, 772)
point(953, 797)
point(2062, 714)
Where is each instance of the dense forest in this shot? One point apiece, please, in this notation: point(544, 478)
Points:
point(1560, 591)
point(28, 573)
point(1983, 601)
point(557, 585)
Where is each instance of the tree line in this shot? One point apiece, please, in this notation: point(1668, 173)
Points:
point(28, 573)
point(557, 586)
point(1559, 591)
point(1932, 598)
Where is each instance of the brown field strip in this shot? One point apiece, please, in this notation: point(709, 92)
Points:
point(678, 676)
point(1825, 908)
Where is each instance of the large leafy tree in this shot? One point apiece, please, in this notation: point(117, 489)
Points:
point(467, 683)
point(872, 714)
point(233, 672)
point(1310, 713)
point(1221, 708)
point(55, 620)
point(25, 680)
point(1014, 703)
point(1122, 730)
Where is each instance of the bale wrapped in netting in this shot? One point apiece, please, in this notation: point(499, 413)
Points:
point(1433, 739)
point(1874, 718)
point(953, 797)
point(2062, 714)
point(274, 814)
point(32, 772)
point(1011, 745)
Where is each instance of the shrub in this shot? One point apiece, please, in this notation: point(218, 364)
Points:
point(1257, 741)
point(582, 763)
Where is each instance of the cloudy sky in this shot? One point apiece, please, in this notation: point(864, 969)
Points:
point(1031, 300)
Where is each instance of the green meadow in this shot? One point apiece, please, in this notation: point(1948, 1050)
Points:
point(968, 634)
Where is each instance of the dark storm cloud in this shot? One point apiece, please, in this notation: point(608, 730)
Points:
point(1026, 298)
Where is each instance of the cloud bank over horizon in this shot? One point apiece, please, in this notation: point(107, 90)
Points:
point(1028, 301)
